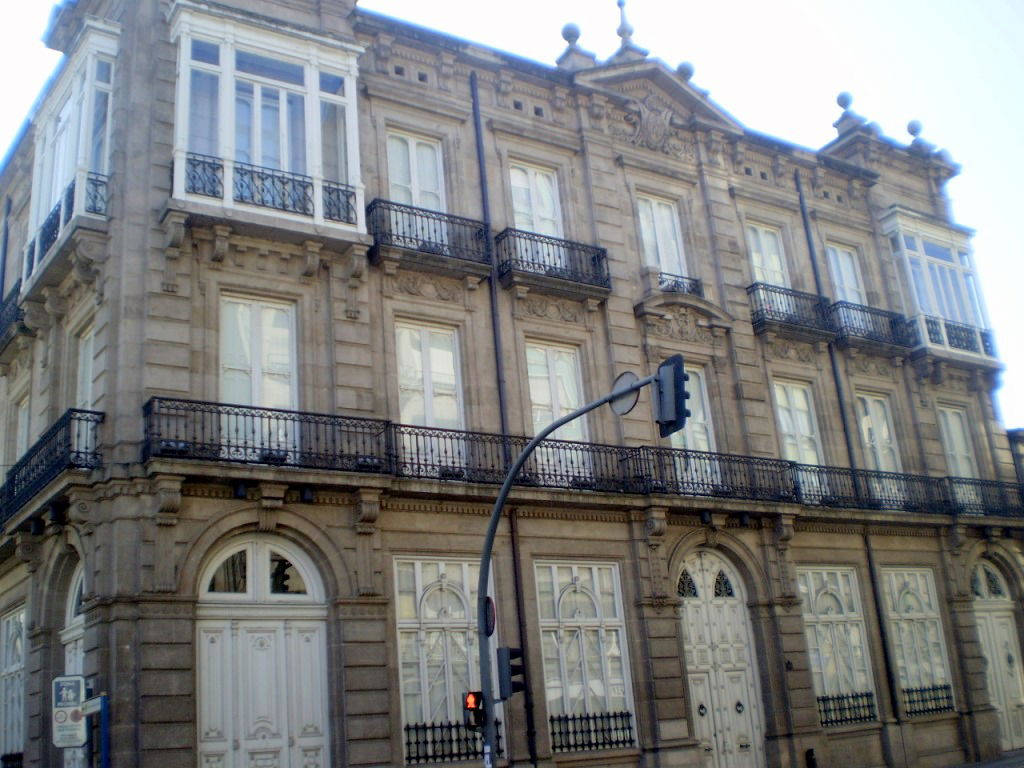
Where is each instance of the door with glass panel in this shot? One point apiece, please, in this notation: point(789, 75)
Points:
point(798, 434)
point(556, 389)
point(415, 177)
point(961, 462)
point(660, 236)
point(721, 663)
point(257, 369)
point(845, 274)
point(72, 637)
point(536, 209)
point(430, 398)
point(697, 471)
point(881, 453)
point(270, 133)
point(83, 436)
point(1000, 645)
point(768, 262)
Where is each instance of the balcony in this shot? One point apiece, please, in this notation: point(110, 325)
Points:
point(11, 322)
point(84, 204)
point(70, 443)
point(320, 200)
point(679, 284)
point(846, 709)
point(421, 238)
point(446, 741)
point(944, 337)
point(874, 330)
point(552, 265)
point(789, 313)
point(591, 730)
point(217, 432)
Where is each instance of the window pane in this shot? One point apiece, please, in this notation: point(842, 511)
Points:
point(208, 53)
point(284, 578)
point(98, 140)
point(331, 83)
point(296, 133)
point(332, 134)
point(230, 575)
point(264, 66)
point(244, 122)
point(203, 108)
point(104, 71)
point(937, 251)
point(270, 128)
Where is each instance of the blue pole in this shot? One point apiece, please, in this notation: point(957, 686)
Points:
point(104, 731)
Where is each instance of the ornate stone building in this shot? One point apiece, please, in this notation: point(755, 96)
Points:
point(287, 283)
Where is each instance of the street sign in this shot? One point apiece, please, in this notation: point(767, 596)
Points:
point(69, 723)
point(625, 402)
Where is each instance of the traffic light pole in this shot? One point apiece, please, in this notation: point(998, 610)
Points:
point(486, 680)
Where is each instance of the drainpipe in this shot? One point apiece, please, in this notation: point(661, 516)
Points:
point(836, 378)
point(3, 247)
point(876, 593)
point(499, 360)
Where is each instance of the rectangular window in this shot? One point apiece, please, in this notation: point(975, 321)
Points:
point(919, 648)
point(845, 274)
point(556, 388)
point(956, 441)
point(415, 174)
point(583, 639)
point(21, 428)
point(837, 645)
point(798, 429)
point(84, 349)
point(877, 432)
point(435, 602)
point(660, 236)
point(535, 204)
point(766, 255)
point(429, 386)
point(697, 434)
point(12, 681)
point(257, 353)
point(943, 280)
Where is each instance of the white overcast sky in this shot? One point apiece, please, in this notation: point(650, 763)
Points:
point(955, 65)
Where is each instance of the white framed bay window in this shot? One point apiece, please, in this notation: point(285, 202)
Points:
point(266, 119)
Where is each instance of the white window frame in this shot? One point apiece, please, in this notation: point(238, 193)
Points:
point(758, 266)
point(916, 632)
point(955, 432)
point(413, 624)
point(412, 141)
point(532, 173)
point(22, 427)
point(605, 623)
point(425, 331)
point(70, 102)
point(870, 408)
point(315, 53)
point(699, 402)
point(846, 277)
point(12, 681)
point(256, 371)
point(943, 288)
point(85, 355)
point(661, 236)
point(783, 411)
point(837, 641)
point(559, 409)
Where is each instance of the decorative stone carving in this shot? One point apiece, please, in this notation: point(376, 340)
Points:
point(555, 310)
point(354, 274)
point(783, 539)
point(871, 366)
point(27, 549)
point(427, 287)
point(367, 510)
point(311, 249)
point(787, 350)
point(174, 239)
point(271, 499)
point(680, 324)
point(714, 147)
point(650, 124)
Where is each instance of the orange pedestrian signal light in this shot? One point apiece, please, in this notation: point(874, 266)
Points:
point(473, 710)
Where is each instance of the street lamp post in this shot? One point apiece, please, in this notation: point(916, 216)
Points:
point(623, 397)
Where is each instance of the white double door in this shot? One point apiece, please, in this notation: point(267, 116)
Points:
point(720, 666)
point(263, 694)
point(1000, 645)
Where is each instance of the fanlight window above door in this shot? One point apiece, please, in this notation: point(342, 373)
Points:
point(260, 569)
point(988, 584)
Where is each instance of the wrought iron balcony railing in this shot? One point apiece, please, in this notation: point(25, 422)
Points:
point(856, 321)
point(680, 284)
point(928, 700)
point(339, 202)
point(847, 708)
point(445, 741)
point(271, 188)
point(424, 231)
point(87, 193)
point(11, 314)
point(591, 730)
point(784, 306)
point(937, 332)
point(204, 175)
point(528, 252)
point(190, 429)
point(193, 429)
point(71, 442)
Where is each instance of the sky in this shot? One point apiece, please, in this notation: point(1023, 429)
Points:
point(955, 65)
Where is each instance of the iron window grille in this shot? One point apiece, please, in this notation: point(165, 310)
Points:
point(591, 730)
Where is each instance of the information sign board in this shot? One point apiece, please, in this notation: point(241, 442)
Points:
point(69, 721)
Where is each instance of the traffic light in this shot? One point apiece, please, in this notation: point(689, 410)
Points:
point(671, 396)
point(473, 710)
point(511, 672)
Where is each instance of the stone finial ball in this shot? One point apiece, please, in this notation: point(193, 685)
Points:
point(571, 33)
point(685, 70)
point(844, 100)
point(914, 128)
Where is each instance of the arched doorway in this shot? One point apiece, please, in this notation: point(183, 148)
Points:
point(721, 665)
point(72, 639)
point(1000, 645)
point(261, 663)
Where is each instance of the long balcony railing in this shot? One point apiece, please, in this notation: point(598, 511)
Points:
point(847, 708)
point(190, 429)
point(445, 741)
point(591, 730)
point(784, 306)
point(11, 315)
point(270, 188)
point(528, 252)
point(87, 193)
point(937, 332)
point(425, 231)
point(71, 442)
point(858, 322)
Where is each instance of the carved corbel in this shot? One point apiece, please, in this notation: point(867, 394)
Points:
point(445, 70)
point(382, 52)
point(354, 274)
point(367, 511)
point(783, 540)
point(221, 233)
point(779, 170)
point(174, 238)
point(271, 500)
point(714, 147)
point(28, 549)
point(502, 89)
point(817, 178)
point(311, 249)
point(167, 499)
point(738, 156)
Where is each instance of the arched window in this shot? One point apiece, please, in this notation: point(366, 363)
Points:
point(257, 569)
point(723, 587)
point(988, 584)
point(686, 587)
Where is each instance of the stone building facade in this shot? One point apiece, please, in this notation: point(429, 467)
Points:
point(287, 283)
